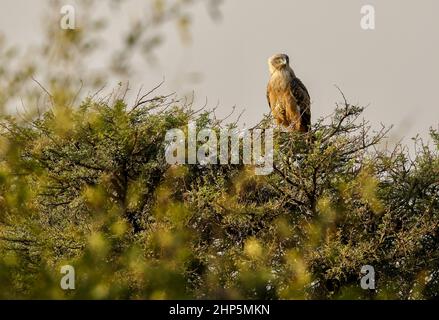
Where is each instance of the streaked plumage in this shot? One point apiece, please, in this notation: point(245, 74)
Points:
point(287, 96)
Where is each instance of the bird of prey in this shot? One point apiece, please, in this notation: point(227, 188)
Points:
point(287, 96)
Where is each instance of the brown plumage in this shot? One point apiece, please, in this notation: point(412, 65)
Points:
point(287, 96)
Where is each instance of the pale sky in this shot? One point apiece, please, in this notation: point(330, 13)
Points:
point(393, 69)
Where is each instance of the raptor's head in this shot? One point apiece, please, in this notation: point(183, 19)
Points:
point(278, 62)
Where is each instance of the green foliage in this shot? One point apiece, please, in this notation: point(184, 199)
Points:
point(90, 187)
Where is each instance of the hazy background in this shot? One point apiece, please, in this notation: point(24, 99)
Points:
point(393, 69)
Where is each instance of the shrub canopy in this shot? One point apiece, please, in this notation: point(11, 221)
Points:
point(89, 187)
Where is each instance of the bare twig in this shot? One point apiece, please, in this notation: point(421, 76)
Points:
point(44, 89)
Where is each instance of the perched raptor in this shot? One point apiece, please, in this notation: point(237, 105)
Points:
point(287, 96)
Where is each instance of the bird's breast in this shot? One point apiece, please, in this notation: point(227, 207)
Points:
point(280, 81)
